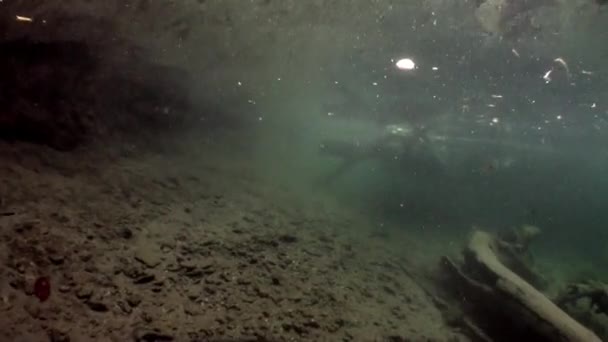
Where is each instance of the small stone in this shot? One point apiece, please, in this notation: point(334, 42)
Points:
point(84, 293)
point(25, 226)
point(148, 253)
point(389, 290)
point(125, 307)
point(133, 299)
point(194, 274)
point(172, 267)
point(146, 317)
point(91, 269)
point(193, 292)
point(192, 309)
point(29, 337)
point(85, 256)
point(147, 278)
point(7, 302)
point(56, 259)
point(64, 288)
point(132, 271)
point(96, 305)
point(286, 238)
point(148, 335)
point(33, 310)
point(17, 282)
point(58, 336)
point(28, 288)
point(242, 281)
point(125, 233)
point(187, 264)
point(208, 266)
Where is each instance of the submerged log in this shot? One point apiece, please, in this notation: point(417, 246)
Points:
point(533, 309)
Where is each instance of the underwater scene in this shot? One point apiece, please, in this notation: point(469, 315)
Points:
point(303, 170)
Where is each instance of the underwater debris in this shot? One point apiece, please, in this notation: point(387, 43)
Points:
point(22, 18)
point(587, 301)
point(562, 65)
point(42, 288)
point(595, 292)
point(492, 291)
point(149, 335)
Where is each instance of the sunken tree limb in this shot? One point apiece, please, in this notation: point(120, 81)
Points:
point(501, 301)
point(541, 313)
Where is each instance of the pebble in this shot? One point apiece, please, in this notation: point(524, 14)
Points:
point(147, 278)
point(133, 299)
point(85, 256)
point(193, 292)
point(148, 253)
point(146, 317)
point(84, 293)
point(125, 233)
point(286, 238)
point(193, 309)
point(187, 264)
point(56, 259)
point(25, 226)
point(125, 307)
point(150, 335)
point(96, 305)
point(56, 335)
point(33, 310)
point(30, 337)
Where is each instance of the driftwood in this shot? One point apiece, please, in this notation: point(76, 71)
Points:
point(502, 302)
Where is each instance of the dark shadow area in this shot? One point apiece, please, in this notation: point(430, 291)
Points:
point(64, 93)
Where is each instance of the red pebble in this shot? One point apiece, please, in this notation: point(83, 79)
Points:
point(42, 288)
